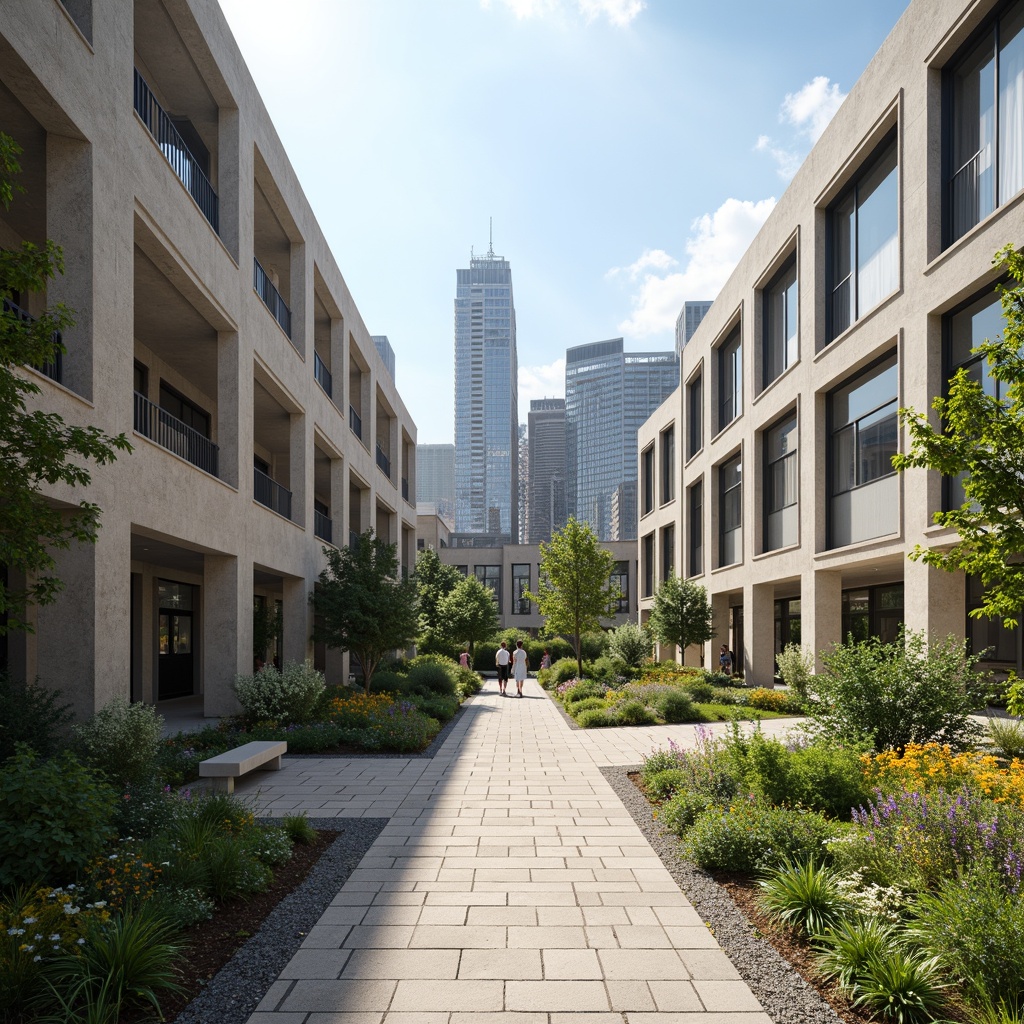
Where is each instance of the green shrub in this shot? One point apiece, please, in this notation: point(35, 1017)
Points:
point(828, 777)
point(676, 706)
point(581, 691)
point(842, 952)
point(286, 697)
point(899, 693)
point(607, 670)
point(386, 681)
point(183, 908)
point(773, 700)
point(467, 682)
point(631, 643)
point(121, 740)
point(762, 764)
point(440, 706)
point(55, 817)
point(796, 666)
point(577, 707)
point(431, 678)
point(596, 719)
point(299, 829)
point(700, 690)
point(142, 810)
point(750, 836)
point(1007, 737)
point(594, 645)
point(562, 671)
point(901, 986)
point(661, 785)
point(32, 715)
point(682, 810)
point(658, 760)
point(269, 844)
point(720, 679)
point(633, 712)
point(803, 896)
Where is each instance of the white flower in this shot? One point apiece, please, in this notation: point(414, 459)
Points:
point(36, 958)
point(29, 920)
point(80, 942)
point(15, 931)
point(68, 909)
point(55, 938)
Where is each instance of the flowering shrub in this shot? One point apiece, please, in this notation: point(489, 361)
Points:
point(121, 740)
point(772, 700)
point(706, 767)
point(122, 879)
point(291, 695)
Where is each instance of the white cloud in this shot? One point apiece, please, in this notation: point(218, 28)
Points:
point(716, 243)
point(619, 13)
point(540, 382)
point(655, 259)
point(810, 108)
point(787, 161)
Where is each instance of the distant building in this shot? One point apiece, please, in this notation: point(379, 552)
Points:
point(524, 480)
point(689, 320)
point(387, 353)
point(609, 393)
point(435, 478)
point(546, 504)
point(486, 404)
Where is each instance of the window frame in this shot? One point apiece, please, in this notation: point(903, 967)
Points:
point(647, 486)
point(695, 528)
point(484, 579)
point(770, 290)
point(694, 415)
point(729, 354)
point(723, 504)
point(667, 439)
point(768, 476)
point(521, 605)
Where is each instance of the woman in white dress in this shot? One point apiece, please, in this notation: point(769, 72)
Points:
point(519, 667)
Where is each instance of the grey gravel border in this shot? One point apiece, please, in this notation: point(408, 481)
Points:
point(239, 986)
point(785, 996)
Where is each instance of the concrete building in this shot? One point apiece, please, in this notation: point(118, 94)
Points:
point(609, 393)
point(486, 390)
point(214, 328)
point(435, 477)
point(689, 320)
point(767, 476)
point(547, 510)
point(433, 530)
point(385, 351)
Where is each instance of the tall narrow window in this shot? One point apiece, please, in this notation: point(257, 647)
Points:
point(490, 576)
point(668, 464)
point(696, 530)
point(647, 564)
point(864, 242)
point(780, 323)
point(668, 552)
point(520, 587)
point(694, 417)
point(620, 578)
point(730, 512)
point(985, 99)
point(781, 485)
point(647, 481)
point(730, 379)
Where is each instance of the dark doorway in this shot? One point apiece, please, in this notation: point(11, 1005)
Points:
point(736, 636)
point(176, 638)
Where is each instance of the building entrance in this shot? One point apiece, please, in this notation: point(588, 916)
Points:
point(176, 639)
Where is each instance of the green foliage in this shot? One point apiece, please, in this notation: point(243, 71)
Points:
point(469, 612)
point(680, 812)
point(661, 785)
point(677, 706)
point(1015, 695)
point(607, 670)
point(1007, 737)
point(898, 693)
point(38, 448)
point(630, 643)
point(576, 708)
point(681, 614)
point(467, 682)
point(432, 678)
point(299, 829)
point(596, 719)
point(575, 590)
point(32, 715)
point(142, 809)
point(796, 666)
point(700, 691)
point(55, 817)
point(634, 712)
point(803, 897)
point(842, 953)
point(827, 777)
point(581, 691)
point(981, 436)
point(267, 623)
point(290, 696)
point(121, 740)
point(363, 604)
point(563, 670)
point(434, 581)
point(183, 908)
point(901, 987)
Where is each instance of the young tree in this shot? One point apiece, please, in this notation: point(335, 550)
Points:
point(434, 581)
point(575, 591)
point(37, 448)
point(630, 643)
point(981, 436)
point(366, 607)
point(468, 613)
point(681, 614)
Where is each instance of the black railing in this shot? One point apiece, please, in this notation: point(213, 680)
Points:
point(842, 306)
point(53, 367)
point(405, 488)
point(271, 297)
point(964, 199)
point(383, 461)
point(270, 493)
point(322, 525)
point(322, 374)
point(175, 149)
point(355, 423)
point(169, 432)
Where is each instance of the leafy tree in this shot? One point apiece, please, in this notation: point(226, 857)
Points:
point(367, 608)
point(575, 591)
point(981, 436)
point(630, 643)
point(681, 614)
point(37, 448)
point(434, 581)
point(469, 613)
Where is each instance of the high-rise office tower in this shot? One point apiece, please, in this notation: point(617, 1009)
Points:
point(386, 352)
point(689, 320)
point(486, 412)
point(608, 394)
point(546, 508)
point(524, 481)
point(435, 477)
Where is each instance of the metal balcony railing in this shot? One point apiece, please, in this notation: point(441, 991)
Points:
point(383, 461)
point(269, 492)
point(271, 297)
point(52, 368)
point(322, 526)
point(355, 423)
point(175, 149)
point(322, 375)
point(169, 432)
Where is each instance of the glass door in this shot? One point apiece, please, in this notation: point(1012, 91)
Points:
point(176, 640)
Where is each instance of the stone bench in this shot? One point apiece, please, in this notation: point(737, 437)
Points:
point(232, 764)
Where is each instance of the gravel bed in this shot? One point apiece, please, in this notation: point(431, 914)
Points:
point(238, 987)
point(786, 997)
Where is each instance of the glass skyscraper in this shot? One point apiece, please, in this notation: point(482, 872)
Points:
point(486, 395)
point(609, 393)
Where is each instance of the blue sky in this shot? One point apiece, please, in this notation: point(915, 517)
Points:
point(627, 151)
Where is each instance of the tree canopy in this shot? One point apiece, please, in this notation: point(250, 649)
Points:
point(681, 614)
point(980, 437)
point(37, 448)
point(434, 581)
point(574, 591)
point(364, 605)
point(468, 612)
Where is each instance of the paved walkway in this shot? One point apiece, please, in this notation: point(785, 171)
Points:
point(510, 887)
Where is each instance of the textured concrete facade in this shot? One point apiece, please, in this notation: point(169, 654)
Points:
point(263, 419)
point(760, 512)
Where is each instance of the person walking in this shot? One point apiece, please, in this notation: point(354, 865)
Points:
point(725, 660)
point(501, 659)
point(464, 658)
point(519, 667)
point(545, 661)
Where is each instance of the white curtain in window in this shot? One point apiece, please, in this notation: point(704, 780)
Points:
point(878, 275)
point(1011, 117)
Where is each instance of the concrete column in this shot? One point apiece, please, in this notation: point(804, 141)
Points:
point(300, 467)
point(758, 634)
point(229, 182)
point(821, 612)
point(934, 601)
point(720, 626)
point(226, 629)
point(297, 621)
point(339, 502)
point(230, 433)
point(301, 300)
point(339, 366)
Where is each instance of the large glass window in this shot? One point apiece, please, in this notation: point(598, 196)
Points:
point(668, 464)
point(647, 481)
point(780, 323)
point(694, 417)
point(490, 576)
point(620, 578)
point(696, 531)
point(181, 408)
point(520, 587)
point(730, 379)
point(730, 512)
point(985, 149)
point(781, 485)
point(647, 564)
point(668, 552)
point(864, 242)
point(989, 637)
point(873, 611)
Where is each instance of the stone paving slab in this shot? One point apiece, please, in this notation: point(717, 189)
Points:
point(510, 887)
